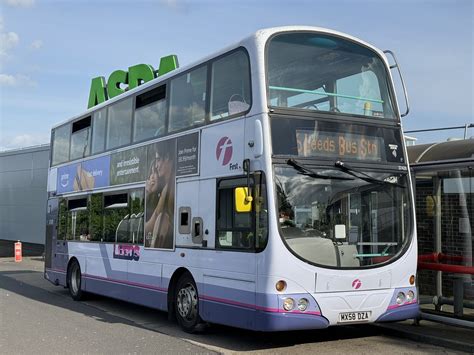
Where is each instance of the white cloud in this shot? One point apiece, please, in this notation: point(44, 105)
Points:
point(37, 44)
point(8, 41)
point(20, 3)
point(16, 80)
point(23, 140)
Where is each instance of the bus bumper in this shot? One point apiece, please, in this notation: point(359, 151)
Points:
point(409, 311)
point(274, 322)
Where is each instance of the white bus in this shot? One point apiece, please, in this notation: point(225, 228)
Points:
point(264, 187)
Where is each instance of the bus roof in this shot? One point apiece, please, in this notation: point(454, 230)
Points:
point(258, 40)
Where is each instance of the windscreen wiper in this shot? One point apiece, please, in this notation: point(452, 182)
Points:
point(303, 170)
point(363, 176)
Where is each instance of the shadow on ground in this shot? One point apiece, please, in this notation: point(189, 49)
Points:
point(31, 284)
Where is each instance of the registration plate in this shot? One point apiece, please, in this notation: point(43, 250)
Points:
point(351, 317)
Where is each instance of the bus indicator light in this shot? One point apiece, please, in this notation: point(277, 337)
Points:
point(280, 285)
point(412, 279)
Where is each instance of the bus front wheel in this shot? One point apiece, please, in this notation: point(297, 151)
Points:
point(74, 281)
point(187, 304)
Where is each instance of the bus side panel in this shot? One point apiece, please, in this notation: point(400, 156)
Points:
point(224, 290)
point(103, 273)
point(145, 284)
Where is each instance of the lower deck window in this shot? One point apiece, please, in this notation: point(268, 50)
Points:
point(114, 218)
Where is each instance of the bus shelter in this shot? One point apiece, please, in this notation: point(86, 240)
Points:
point(444, 197)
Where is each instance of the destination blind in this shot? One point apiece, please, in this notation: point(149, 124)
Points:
point(336, 140)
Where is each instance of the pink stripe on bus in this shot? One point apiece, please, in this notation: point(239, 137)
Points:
point(131, 283)
point(261, 308)
point(401, 305)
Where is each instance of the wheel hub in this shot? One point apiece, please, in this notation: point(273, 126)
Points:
point(187, 302)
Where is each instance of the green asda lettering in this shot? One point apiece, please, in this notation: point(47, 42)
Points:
point(138, 74)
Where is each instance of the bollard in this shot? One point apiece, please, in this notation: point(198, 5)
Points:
point(18, 253)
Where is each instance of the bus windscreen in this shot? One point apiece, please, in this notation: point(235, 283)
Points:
point(316, 72)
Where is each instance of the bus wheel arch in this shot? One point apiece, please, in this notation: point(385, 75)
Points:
point(74, 279)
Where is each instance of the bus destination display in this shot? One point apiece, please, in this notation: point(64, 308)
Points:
point(339, 144)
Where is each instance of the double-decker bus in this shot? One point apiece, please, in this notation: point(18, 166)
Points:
point(264, 187)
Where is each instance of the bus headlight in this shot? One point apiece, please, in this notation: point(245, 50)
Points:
point(288, 304)
point(303, 304)
point(400, 298)
point(410, 296)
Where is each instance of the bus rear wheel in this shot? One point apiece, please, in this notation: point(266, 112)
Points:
point(74, 280)
point(187, 304)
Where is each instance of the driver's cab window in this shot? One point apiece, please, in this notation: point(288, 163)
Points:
point(242, 229)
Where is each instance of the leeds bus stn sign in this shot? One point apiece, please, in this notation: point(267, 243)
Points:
point(136, 75)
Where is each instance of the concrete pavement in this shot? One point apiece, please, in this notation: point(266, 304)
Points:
point(38, 316)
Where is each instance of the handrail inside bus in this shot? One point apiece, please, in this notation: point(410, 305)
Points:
point(369, 255)
point(322, 93)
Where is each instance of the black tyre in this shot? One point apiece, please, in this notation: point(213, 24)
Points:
point(74, 280)
point(186, 302)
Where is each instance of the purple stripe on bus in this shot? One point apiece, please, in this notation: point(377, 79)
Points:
point(400, 313)
point(211, 298)
point(256, 307)
point(125, 282)
point(286, 321)
point(147, 279)
point(237, 295)
point(262, 321)
point(235, 303)
point(142, 296)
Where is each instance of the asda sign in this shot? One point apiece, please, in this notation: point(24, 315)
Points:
point(121, 80)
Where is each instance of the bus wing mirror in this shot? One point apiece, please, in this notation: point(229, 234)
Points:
point(243, 202)
point(397, 66)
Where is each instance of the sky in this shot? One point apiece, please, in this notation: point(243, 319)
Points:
point(50, 50)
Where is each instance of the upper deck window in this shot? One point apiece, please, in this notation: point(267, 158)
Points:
point(318, 72)
point(150, 114)
point(119, 125)
point(80, 138)
point(188, 100)
point(230, 94)
point(61, 136)
point(98, 132)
